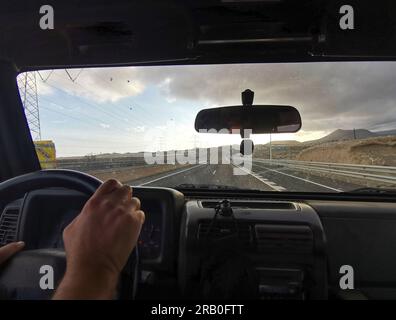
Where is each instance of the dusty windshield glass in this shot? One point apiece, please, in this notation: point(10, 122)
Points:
point(136, 124)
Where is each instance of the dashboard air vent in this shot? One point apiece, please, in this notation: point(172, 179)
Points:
point(284, 238)
point(8, 225)
point(252, 205)
point(221, 229)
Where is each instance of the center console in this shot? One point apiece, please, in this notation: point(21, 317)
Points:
point(264, 249)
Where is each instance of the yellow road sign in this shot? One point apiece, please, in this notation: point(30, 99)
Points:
point(46, 153)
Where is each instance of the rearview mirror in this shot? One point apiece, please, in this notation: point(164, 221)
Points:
point(257, 118)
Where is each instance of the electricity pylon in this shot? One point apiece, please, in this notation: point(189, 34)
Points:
point(28, 90)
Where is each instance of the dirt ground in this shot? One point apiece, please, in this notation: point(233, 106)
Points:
point(372, 151)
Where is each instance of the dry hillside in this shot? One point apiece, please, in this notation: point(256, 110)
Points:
point(372, 151)
point(280, 150)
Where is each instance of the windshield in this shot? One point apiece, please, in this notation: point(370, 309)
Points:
point(136, 124)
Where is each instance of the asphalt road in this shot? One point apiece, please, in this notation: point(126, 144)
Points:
point(262, 177)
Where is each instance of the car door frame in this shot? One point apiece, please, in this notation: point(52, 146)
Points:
point(17, 151)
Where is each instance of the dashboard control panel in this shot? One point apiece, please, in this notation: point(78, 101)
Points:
point(151, 235)
point(276, 248)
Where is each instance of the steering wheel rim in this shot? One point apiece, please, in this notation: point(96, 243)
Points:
point(17, 187)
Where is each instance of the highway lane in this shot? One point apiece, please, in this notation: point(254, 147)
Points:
point(221, 174)
point(262, 177)
point(301, 180)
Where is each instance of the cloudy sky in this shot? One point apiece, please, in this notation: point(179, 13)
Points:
point(149, 108)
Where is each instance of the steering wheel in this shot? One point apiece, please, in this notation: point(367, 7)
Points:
point(20, 276)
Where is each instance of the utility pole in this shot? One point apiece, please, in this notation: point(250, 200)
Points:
point(161, 143)
point(27, 84)
point(270, 144)
point(28, 90)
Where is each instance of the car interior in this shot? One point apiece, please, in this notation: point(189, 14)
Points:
point(200, 242)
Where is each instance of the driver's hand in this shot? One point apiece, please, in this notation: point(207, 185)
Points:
point(99, 241)
point(8, 250)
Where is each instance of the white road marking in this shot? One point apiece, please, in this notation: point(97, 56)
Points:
point(299, 178)
point(214, 172)
point(270, 184)
point(273, 184)
point(261, 172)
point(172, 174)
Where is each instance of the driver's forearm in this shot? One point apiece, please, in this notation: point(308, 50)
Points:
point(75, 286)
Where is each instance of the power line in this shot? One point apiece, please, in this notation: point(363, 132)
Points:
point(99, 141)
point(76, 77)
point(114, 114)
point(28, 89)
point(151, 116)
point(91, 120)
point(94, 122)
point(146, 120)
point(146, 110)
point(47, 77)
point(87, 117)
point(95, 106)
point(66, 115)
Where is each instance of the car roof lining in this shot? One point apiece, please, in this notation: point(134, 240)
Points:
point(122, 32)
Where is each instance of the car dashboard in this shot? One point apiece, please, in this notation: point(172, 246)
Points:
point(267, 249)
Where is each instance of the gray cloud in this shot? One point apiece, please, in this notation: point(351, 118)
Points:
point(328, 95)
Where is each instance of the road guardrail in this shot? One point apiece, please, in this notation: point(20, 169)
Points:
point(100, 163)
point(386, 174)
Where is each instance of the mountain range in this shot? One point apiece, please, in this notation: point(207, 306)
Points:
point(340, 134)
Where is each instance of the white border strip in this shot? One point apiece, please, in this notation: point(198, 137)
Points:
point(268, 183)
point(289, 175)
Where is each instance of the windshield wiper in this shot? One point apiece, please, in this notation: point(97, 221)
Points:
point(373, 190)
point(205, 186)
